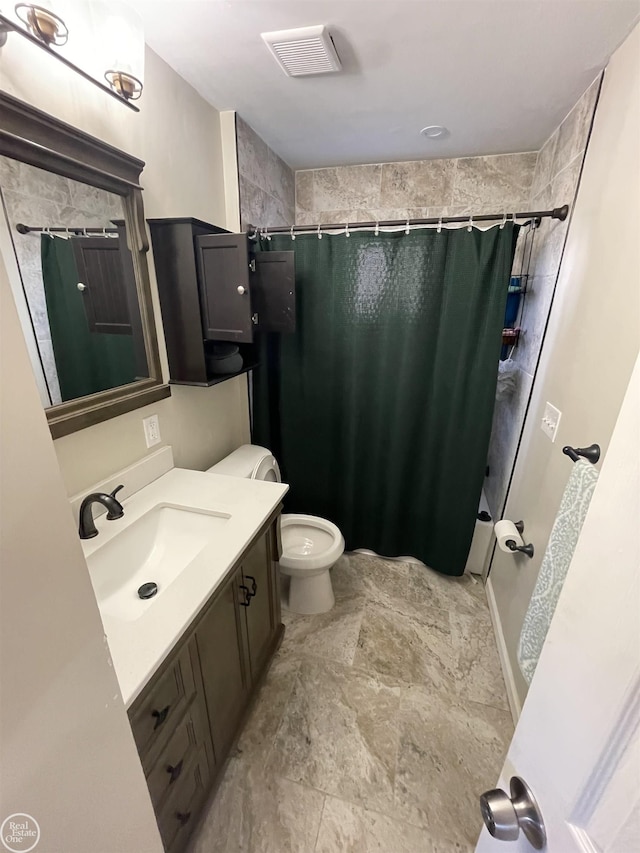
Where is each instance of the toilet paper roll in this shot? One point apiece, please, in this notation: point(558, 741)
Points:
point(507, 530)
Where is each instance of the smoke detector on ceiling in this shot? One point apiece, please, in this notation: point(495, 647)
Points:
point(306, 50)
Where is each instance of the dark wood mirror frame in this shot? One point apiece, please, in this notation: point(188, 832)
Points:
point(33, 137)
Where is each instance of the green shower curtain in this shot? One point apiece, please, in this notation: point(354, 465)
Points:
point(379, 407)
point(86, 362)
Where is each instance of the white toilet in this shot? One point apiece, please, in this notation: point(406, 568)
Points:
point(310, 545)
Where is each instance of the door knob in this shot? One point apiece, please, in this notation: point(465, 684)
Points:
point(241, 290)
point(505, 816)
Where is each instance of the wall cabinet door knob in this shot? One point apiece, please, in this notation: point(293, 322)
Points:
point(241, 290)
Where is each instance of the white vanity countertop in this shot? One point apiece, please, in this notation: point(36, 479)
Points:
point(139, 646)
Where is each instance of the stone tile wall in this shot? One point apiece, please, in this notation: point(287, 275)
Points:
point(35, 197)
point(555, 182)
point(267, 183)
point(415, 189)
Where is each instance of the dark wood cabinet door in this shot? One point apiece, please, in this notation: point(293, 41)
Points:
point(223, 278)
point(106, 302)
point(258, 568)
point(274, 291)
point(225, 675)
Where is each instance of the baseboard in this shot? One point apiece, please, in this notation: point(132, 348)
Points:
point(505, 663)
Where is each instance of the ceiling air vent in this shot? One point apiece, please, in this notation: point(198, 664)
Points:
point(306, 50)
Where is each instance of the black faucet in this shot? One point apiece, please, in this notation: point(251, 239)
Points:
point(87, 528)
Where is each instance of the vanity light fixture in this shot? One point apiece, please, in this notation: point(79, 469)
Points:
point(123, 35)
point(126, 85)
point(44, 24)
point(435, 131)
point(107, 34)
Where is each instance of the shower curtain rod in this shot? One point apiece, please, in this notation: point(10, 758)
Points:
point(29, 229)
point(560, 213)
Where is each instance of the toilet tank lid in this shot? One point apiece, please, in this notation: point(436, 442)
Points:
point(250, 461)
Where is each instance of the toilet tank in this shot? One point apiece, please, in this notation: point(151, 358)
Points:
point(251, 461)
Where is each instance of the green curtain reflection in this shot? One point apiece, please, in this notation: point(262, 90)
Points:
point(379, 407)
point(86, 362)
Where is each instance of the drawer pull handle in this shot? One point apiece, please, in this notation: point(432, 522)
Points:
point(183, 817)
point(174, 772)
point(247, 596)
point(160, 716)
point(254, 585)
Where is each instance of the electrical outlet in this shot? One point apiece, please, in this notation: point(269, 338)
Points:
point(151, 430)
point(550, 421)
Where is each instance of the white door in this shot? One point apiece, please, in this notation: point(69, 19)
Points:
point(577, 743)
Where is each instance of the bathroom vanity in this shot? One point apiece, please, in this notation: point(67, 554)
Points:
point(187, 717)
point(189, 659)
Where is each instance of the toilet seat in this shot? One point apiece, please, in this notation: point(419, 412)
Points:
point(309, 544)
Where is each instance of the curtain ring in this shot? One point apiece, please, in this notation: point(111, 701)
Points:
point(504, 221)
point(470, 225)
point(319, 233)
point(440, 225)
point(293, 236)
point(346, 230)
point(407, 230)
point(266, 234)
point(514, 218)
point(377, 231)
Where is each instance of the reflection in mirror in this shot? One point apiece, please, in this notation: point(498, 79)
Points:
point(73, 279)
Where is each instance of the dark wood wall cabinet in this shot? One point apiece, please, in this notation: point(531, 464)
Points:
point(189, 715)
point(215, 289)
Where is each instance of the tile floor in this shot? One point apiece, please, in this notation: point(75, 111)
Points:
point(377, 726)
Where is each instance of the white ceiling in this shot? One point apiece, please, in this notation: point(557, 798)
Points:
point(500, 74)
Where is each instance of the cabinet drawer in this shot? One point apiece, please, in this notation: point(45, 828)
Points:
point(181, 810)
point(179, 752)
point(164, 702)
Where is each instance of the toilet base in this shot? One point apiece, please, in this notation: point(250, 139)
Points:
point(311, 595)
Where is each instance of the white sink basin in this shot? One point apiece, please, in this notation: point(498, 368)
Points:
point(154, 549)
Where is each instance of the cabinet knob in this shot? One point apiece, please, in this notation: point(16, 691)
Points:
point(174, 772)
point(247, 595)
point(241, 290)
point(160, 716)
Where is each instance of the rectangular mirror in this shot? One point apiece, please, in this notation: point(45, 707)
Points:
point(83, 294)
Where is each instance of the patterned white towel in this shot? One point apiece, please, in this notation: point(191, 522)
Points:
point(557, 558)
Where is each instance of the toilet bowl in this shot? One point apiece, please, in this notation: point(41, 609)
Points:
point(310, 548)
point(310, 545)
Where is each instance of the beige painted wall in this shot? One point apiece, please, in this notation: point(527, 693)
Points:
point(593, 337)
point(66, 749)
point(178, 135)
point(67, 752)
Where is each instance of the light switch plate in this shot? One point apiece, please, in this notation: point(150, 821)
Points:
point(151, 430)
point(551, 421)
